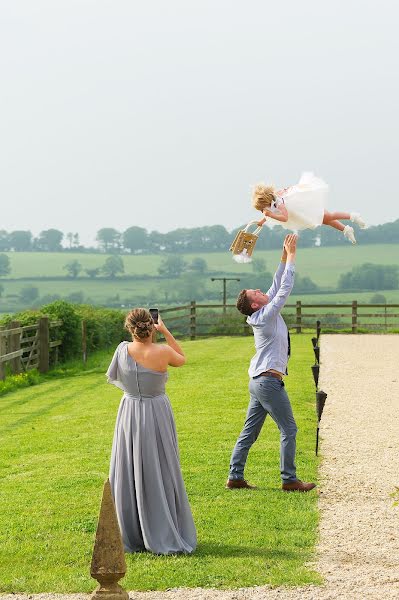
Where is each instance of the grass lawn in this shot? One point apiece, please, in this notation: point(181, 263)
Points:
point(56, 443)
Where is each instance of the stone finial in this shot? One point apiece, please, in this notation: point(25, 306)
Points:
point(108, 562)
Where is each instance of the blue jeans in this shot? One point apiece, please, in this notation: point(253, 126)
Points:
point(267, 396)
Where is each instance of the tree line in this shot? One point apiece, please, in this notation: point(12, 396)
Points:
point(213, 238)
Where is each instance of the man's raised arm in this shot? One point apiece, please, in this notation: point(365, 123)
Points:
point(277, 276)
point(273, 307)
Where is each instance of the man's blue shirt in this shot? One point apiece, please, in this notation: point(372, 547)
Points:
point(270, 330)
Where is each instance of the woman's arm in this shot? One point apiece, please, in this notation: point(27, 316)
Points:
point(176, 356)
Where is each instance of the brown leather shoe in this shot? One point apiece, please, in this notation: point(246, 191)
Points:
point(297, 486)
point(237, 484)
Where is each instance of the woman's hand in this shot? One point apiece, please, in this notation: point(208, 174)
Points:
point(160, 326)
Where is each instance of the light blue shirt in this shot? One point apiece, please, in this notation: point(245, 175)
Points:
point(270, 330)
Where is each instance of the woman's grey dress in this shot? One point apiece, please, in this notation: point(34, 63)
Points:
point(146, 480)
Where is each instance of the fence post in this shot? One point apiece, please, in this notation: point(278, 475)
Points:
point(193, 320)
point(354, 316)
point(2, 351)
point(15, 344)
point(298, 316)
point(84, 341)
point(44, 340)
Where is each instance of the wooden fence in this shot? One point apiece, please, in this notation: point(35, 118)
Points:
point(196, 320)
point(28, 347)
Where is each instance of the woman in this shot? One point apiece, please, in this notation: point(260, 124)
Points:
point(146, 480)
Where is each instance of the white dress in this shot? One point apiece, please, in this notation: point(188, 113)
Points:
point(305, 203)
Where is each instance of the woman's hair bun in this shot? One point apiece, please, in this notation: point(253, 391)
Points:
point(139, 323)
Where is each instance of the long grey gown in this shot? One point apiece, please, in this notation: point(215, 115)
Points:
point(145, 476)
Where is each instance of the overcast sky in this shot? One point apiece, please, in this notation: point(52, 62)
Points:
point(163, 113)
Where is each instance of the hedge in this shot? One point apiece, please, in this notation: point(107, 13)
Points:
point(104, 326)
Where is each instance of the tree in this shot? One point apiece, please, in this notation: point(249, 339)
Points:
point(108, 238)
point(21, 241)
point(49, 240)
point(378, 299)
point(93, 273)
point(76, 297)
point(198, 265)
point(73, 239)
point(73, 268)
point(135, 239)
point(1, 289)
point(5, 268)
point(370, 277)
point(172, 266)
point(112, 266)
point(4, 241)
point(29, 294)
point(304, 285)
point(69, 237)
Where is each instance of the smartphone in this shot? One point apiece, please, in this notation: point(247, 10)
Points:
point(154, 312)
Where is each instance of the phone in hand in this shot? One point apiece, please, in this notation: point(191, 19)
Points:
point(154, 312)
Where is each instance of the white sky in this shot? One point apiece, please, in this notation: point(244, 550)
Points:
point(163, 113)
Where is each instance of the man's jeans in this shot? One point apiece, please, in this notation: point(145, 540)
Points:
point(268, 396)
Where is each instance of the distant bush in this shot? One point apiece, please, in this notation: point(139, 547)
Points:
point(104, 326)
point(378, 299)
point(5, 268)
point(28, 294)
point(370, 277)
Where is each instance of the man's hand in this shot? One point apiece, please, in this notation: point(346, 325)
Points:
point(290, 246)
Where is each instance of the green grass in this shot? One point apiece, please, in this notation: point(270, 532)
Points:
point(56, 442)
point(323, 265)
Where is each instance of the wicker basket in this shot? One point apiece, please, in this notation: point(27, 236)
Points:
point(245, 241)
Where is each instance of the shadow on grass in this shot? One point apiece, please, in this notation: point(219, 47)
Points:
point(42, 411)
point(215, 550)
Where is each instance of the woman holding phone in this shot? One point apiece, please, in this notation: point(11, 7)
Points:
point(145, 475)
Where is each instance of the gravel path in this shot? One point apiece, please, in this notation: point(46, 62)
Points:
point(358, 554)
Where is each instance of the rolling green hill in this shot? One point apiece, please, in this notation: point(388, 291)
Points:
point(323, 265)
point(141, 284)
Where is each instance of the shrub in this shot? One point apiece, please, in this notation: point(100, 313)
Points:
point(104, 326)
point(70, 332)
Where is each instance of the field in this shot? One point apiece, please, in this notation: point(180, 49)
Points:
point(322, 265)
point(55, 456)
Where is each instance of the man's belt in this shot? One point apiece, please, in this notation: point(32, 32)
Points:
point(270, 374)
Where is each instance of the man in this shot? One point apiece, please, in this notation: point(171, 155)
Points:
point(266, 371)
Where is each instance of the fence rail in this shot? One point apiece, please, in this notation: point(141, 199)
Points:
point(28, 347)
point(198, 320)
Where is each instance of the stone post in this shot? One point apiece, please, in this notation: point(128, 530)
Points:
point(108, 562)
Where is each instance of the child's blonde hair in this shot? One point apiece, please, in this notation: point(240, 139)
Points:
point(262, 196)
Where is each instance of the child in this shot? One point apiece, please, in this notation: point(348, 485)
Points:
point(301, 206)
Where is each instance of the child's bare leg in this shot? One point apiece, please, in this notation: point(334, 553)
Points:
point(334, 217)
point(336, 224)
point(331, 220)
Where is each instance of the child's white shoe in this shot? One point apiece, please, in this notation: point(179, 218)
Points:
point(356, 218)
point(348, 233)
